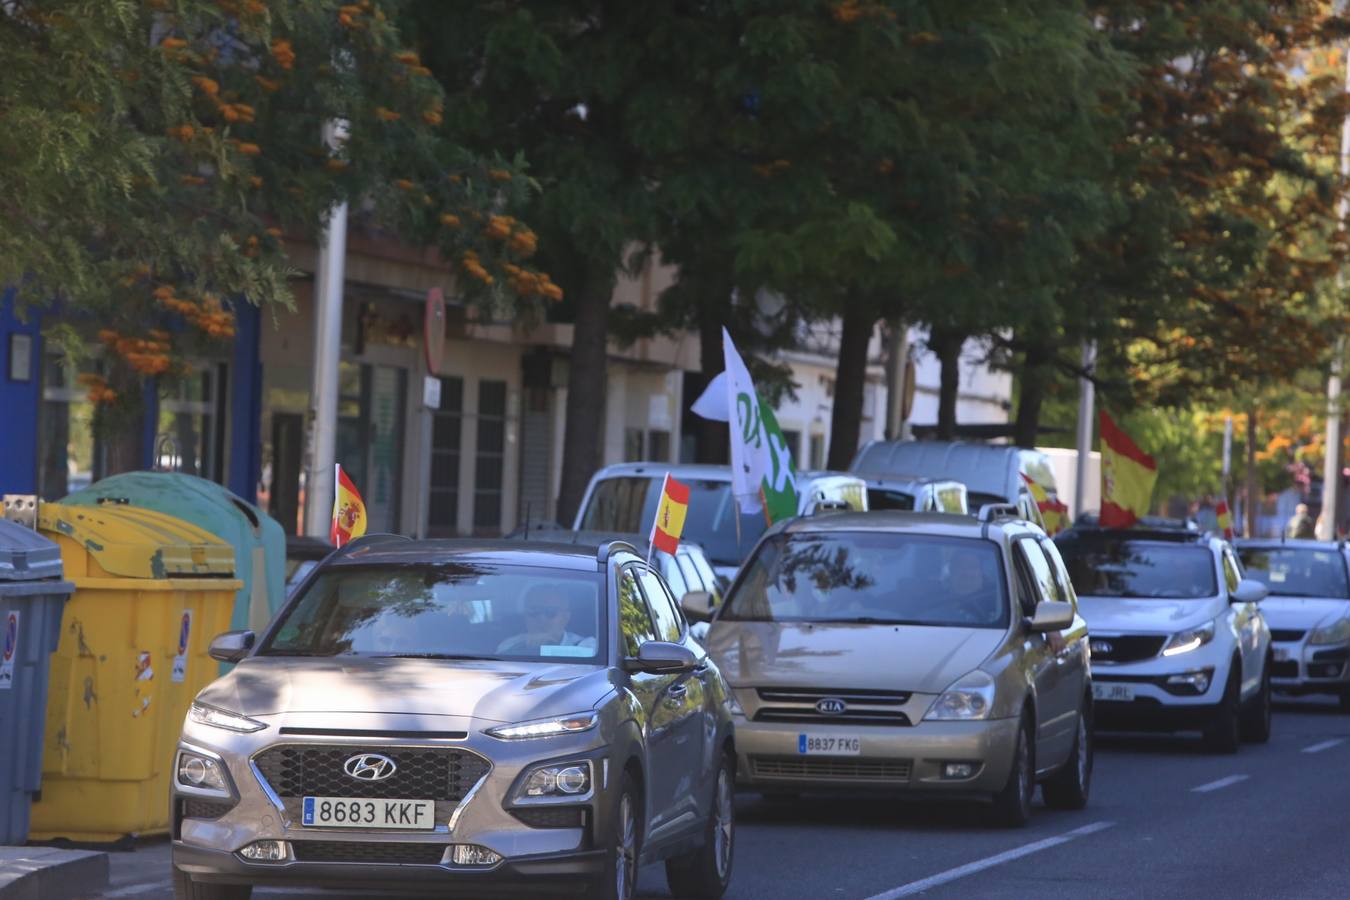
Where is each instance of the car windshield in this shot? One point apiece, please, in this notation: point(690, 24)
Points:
point(628, 504)
point(457, 611)
point(872, 578)
point(1120, 567)
point(1297, 572)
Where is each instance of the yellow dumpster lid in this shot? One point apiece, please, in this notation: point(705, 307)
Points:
point(139, 543)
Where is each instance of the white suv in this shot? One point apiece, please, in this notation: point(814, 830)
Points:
point(1178, 640)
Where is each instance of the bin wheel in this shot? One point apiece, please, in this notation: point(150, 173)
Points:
point(184, 888)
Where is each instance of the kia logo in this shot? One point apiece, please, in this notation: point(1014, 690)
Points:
point(1103, 648)
point(831, 706)
point(369, 767)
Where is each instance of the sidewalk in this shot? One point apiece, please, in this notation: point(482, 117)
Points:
point(46, 873)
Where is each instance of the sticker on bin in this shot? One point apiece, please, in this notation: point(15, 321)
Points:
point(144, 671)
point(178, 673)
point(11, 648)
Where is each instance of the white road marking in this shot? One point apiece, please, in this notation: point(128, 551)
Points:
point(1325, 745)
point(1220, 784)
point(941, 878)
point(132, 890)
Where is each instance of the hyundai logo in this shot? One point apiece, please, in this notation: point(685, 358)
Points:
point(369, 767)
point(1101, 648)
point(831, 706)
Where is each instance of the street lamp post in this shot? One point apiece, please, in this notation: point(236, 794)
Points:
point(1331, 468)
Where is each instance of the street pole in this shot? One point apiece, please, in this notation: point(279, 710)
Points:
point(1252, 501)
point(1087, 397)
point(897, 358)
point(323, 402)
point(1331, 468)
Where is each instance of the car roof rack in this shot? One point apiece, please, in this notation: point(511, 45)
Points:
point(609, 548)
point(989, 512)
point(366, 540)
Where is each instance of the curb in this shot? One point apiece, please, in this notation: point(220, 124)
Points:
point(47, 873)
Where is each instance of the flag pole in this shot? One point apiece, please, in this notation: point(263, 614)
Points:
point(656, 517)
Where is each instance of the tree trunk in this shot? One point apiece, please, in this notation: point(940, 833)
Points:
point(584, 431)
point(850, 376)
point(1035, 375)
point(1252, 487)
point(712, 440)
point(946, 345)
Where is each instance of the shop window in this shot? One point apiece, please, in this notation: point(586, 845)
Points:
point(490, 457)
point(632, 445)
point(658, 445)
point(817, 451)
point(793, 439)
point(69, 455)
point(371, 401)
point(447, 431)
point(190, 437)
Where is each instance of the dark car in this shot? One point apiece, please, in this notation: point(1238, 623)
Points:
point(462, 718)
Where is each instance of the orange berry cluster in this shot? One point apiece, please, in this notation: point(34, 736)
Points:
point(99, 392)
point(283, 53)
point(531, 284)
point(148, 357)
point(853, 10)
point(767, 170)
point(475, 268)
point(504, 228)
point(207, 316)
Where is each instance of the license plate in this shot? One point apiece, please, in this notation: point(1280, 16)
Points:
point(828, 745)
point(1112, 691)
point(345, 812)
point(1281, 654)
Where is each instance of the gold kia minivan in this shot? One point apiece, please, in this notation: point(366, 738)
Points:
point(909, 651)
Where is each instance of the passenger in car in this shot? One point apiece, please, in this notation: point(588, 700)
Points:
point(547, 615)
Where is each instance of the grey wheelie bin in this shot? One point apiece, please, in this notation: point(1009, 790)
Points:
point(32, 598)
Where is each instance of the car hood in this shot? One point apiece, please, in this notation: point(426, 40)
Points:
point(489, 690)
point(878, 657)
point(1139, 615)
point(1302, 613)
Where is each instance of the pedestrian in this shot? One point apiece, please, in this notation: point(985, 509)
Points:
point(1301, 525)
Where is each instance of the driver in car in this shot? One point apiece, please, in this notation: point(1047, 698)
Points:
point(547, 614)
point(971, 598)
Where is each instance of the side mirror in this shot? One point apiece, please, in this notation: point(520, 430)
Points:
point(1249, 590)
point(662, 658)
point(697, 606)
point(1051, 615)
point(231, 646)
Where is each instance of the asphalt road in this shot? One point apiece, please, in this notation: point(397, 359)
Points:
point(1166, 820)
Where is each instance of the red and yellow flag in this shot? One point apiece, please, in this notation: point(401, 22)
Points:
point(1053, 513)
point(1128, 475)
point(349, 510)
point(670, 513)
point(1225, 519)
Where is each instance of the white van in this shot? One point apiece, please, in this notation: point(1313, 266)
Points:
point(991, 474)
point(623, 497)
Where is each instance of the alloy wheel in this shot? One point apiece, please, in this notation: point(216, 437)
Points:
point(625, 866)
point(1084, 759)
point(724, 830)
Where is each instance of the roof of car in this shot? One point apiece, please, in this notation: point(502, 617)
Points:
point(1139, 535)
point(698, 471)
point(899, 521)
point(596, 538)
point(580, 556)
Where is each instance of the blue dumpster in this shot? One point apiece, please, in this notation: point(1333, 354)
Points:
point(32, 598)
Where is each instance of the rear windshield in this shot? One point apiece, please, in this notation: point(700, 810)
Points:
point(883, 498)
point(446, 611)
point(1119, 567)
point(1297, 572)
point(872, 577)
point(628, 504)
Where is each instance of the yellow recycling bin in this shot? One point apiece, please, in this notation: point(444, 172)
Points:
point(151, 591)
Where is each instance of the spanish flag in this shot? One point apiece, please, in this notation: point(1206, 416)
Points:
point(349, 511)
point(1053, 512)
point(1225, 519)
point(670, 513)
point(1128, 474)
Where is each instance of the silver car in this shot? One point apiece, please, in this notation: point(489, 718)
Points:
point(462, 718)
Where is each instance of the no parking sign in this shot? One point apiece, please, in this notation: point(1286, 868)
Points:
point(11, 648)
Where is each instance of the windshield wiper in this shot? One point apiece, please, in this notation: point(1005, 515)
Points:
point(274, 651)
point(435, 656)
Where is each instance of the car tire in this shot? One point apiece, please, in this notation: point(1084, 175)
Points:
point(184, 888)
point(1224, 734)
point(1256, 717)
point(706, 872)
point(1070, 787)
point(1012, 805)
point(625, 845)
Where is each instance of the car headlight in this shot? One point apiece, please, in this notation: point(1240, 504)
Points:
point(555, 781)
point(1186, 641)
point(970, 697)
point(1337, 632)
point(201, 773)
point(219, 718)
point(734, 705)
point(539, 728)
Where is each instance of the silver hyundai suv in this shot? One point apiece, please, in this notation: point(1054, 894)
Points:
point(462, 718)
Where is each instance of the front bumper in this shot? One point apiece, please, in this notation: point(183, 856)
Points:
point(1304, 668)
point(1156, 704)
point(555, 874)
point(902, 758)
point(567, 848)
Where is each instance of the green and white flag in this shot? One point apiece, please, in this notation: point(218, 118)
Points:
point(763, 478)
